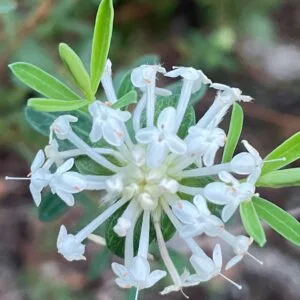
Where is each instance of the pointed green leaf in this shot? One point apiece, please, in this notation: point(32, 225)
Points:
point(281, 178)
point(251, 223)
point(129, 98)
point(42, 82)
point(52, 105)
point(101, 41)
point(281, 221)
point(125, 85)
point(289, 149)
point(235, 129)
point(77, 69)
point(51, 208)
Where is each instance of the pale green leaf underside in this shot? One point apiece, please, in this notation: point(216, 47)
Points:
point(290, 149)
point(101, 41)
point(53, 105)
point(252, 223)
point(281, 178)
point(42, 82)
point(235, 129)
point(281, 221)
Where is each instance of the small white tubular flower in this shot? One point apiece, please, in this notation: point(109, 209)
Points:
point(197, 77)
point(61, 127)
point(230, 193)
point(52, 152)
point(137, 274)
point(69, 246)
point(65, 183)
point(205, 267)
point(107, 83)
point(107, 123)
point(162, 138)
point(144, 78)
point(145, 75)
point(192, 82)
point(205, 142)
point(40, 177)
point(197, 218)
point(240, 247)
point(229, 95)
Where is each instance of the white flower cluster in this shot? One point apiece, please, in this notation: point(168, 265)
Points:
point(147, 179)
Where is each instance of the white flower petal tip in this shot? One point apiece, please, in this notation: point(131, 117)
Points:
point(145, 75)
point(137, 274)
point(169, 185)
point(68, 246)
point(61, 126)
point(107, 123)
point(230, 94)
point(122, 227)
point(191, 74)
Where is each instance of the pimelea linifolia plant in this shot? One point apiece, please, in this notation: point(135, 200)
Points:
point(153, 164)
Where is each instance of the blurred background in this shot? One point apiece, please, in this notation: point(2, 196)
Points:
point(254, 45)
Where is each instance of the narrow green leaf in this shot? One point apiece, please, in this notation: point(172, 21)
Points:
point(42, 82)
point(129, 98)
point(281, 221)
point(281, 178)
point(251, 223)
point(85, 165)
point(101, 41)
point(125, 85)
point(52, 105)
point(235, 129)
point(77, 69)
point(290, 149)
point(51, 208)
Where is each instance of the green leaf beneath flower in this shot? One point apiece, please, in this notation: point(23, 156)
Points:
point(281, 221)
point(77, 69)
point(125, 85)
point(42, 82)
point(101, 41)
point(289, 149)
point(53, 105)
point(251, 222)
point(235, 129)
point(281, 178)
point(129, 98)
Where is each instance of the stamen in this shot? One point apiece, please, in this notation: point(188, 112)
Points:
point(254, 258)
point(17, 178)
point(137, 294)
point(184, 294)
point(231, 281)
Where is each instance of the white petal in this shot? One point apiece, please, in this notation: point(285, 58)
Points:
point(154, 277)
point(66, 166)
point(167, 120)
point(243, 163)
point(95, 109)
point(251, 149)
point(219, 86)
point(217, 256)
point(113, 133)
point(210, 155)
point(174, 73)
point(175, 144)
point(228, 210)
point(36, 194)
point(203, 265)
point(61, 235)
point(216, 192)
point(201, 204)
point(227, 177)
point(124, 284)
point(192, 230)
point(147, 135)
point(71, 182)
point(185, 211)
point(233, 261)
point(156, 154)
point(119, 269)
point(66, 197)
point(96, 131)
point(38, 161)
